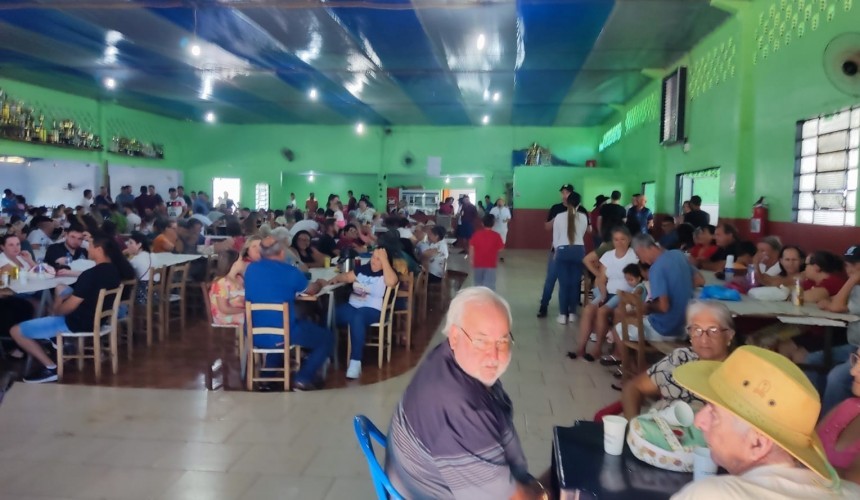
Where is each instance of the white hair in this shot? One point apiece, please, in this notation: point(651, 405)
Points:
point(472, 296)
point(715, 307)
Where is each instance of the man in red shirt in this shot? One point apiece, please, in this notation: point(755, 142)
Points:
point(484, 248)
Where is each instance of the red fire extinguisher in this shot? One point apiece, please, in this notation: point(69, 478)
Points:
point(758, 222)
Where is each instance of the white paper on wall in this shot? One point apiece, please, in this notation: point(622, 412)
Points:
point(434, 166)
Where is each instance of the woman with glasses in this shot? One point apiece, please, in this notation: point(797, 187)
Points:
point(840, 430)
point(711, 329)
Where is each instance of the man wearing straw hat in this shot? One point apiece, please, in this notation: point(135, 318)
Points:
point(760, 426)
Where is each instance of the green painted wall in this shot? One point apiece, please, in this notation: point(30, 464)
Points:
point(750, 81)
point(253, 153)
point(104, 117)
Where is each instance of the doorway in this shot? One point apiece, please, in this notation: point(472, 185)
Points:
point(703, 183)
point(230, 185)
point(649, 191)
point(459, 193)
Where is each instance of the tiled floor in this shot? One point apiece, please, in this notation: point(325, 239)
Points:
point(74, 441)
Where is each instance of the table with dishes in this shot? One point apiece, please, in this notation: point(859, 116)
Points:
point(788, 313)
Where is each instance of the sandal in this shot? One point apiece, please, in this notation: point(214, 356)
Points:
point(617, 387)
point(588, 357)
point(572, 355)
point(610, 361)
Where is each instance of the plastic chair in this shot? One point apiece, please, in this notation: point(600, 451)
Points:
point(364, 432)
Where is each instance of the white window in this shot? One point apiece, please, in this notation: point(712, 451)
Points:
point(225, 191)
point(261, 196)
point(825, 174)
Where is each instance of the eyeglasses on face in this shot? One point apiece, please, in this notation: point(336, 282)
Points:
point(853, 359)
point(503, 345)
point(696, 331)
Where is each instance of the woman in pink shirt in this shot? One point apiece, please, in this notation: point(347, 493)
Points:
point(840, 430)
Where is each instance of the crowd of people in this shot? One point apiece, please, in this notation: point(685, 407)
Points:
point(251, 246)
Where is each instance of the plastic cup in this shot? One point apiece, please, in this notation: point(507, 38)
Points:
point(22, 277)
point(703, 465)
point(614, 428)
point(327, 262)
point(678, 414)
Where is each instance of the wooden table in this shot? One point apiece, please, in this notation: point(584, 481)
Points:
point(326, 273)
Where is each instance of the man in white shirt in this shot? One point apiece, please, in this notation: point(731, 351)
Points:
point(292, 203)
point(436, 254)
point(87, 201)
point(134, 220)
point(759, 424)
point(176, 205)
point(766, 259)
point(40, 236)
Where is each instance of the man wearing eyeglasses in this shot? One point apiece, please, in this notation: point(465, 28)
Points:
point(452, 435)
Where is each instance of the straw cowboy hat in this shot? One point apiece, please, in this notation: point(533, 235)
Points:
point(768, 391)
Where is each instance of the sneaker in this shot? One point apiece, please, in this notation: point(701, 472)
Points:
point(354, 369)
point(571, 318)
point(562, 319)
point(541, 312)
point(45, 375)
point(592, 337)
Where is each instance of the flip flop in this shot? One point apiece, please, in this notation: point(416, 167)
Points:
point(609, 361)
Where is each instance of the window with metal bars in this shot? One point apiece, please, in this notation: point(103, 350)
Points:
point(825, 172)
point(261, 196)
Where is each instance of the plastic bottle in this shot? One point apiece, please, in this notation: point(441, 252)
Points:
point(751, 276)
point(797, 293)
point(729, 270)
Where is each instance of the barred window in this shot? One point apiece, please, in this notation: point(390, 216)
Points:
point(261, 196)
point(825, 174)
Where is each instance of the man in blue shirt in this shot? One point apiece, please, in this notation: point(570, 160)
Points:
point(672, 281)
point(639, 217)
point(201, 204)
point(271, 280)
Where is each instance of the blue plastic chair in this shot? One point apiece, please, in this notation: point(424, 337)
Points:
point(364, 431)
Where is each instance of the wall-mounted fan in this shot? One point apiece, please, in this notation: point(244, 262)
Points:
point(288, 154)
point(408, 160)
point(842, 62)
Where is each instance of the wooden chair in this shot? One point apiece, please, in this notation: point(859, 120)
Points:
point(421, 294)
point(439, 288)
point(154, 303)
point(634, 352)
point(100, 329)
point(127, 323)
point(384, 328)
point(406, 291)
point(256, 355)
point(175, 297)
point(236, 330)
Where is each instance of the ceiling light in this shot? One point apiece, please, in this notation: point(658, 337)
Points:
point(110, 83)
point(311, 177)
point(359, 129)
point(482, 40)
point(469, 180)
point(447, 180)
point(210, 117)
point(486, 95)
point(195, 50)
point(497, 96)
point(486, 119)
point(313, 94)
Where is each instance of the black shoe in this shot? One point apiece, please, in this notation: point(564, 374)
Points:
point(571, 355)
point(541, 312)
point(588, 357)
point(42, 376)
